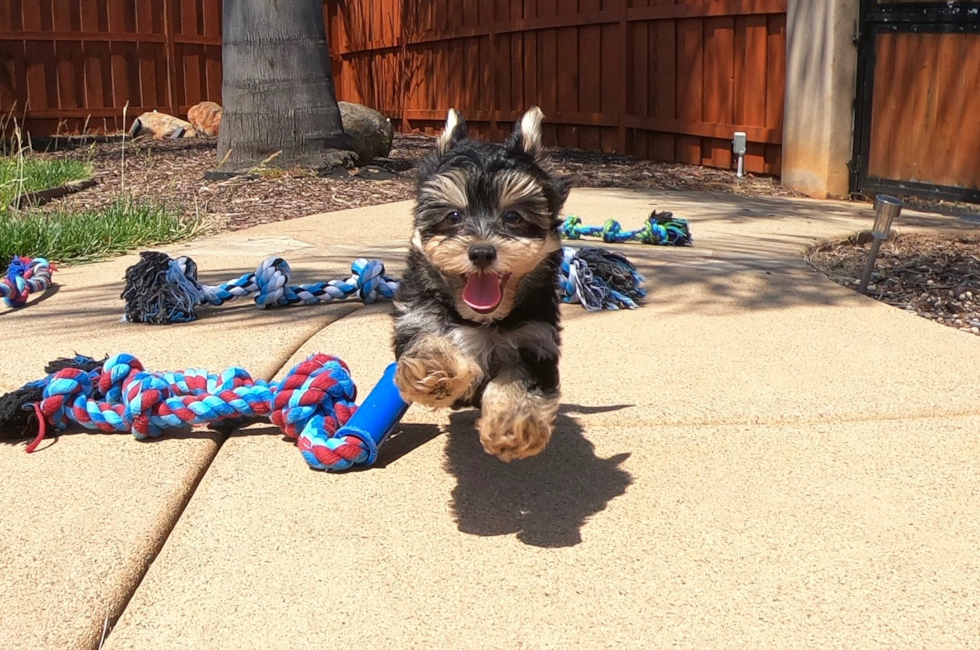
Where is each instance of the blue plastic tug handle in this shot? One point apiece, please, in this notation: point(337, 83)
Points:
point(377, 417)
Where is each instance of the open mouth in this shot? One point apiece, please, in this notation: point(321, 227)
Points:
point(484, 291)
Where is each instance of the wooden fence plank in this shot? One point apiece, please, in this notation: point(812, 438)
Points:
point(719, 59)
point(663, 91)
point(690, 86)
point(966, 163)
point(89, 16)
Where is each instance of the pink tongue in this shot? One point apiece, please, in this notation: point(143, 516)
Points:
point(482, 291)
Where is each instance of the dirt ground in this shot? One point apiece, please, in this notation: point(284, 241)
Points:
point(173, 171)
point(938, 279)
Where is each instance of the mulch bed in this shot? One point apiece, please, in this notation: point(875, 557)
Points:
point(173, 171)
point(938, 279)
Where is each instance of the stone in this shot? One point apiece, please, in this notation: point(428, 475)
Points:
point(371, 132)
point(392, 164)
point(160, 125)
point(205, 118)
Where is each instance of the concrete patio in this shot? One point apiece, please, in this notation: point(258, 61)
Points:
point(756, 458)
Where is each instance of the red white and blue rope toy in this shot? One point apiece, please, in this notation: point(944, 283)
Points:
point(24, 276)
point(313, 404)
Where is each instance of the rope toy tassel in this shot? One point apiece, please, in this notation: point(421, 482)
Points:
point(17, 413)
point(311, 405)
point(600, 279)
point(25, 276)
point(660, 229)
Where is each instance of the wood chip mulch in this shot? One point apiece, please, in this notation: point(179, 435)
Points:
point(936, 278)
point(173, 171)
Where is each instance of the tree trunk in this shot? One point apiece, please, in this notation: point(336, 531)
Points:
point(277, 89)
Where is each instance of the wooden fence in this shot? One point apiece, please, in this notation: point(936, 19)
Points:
point(663, 79)
point(66, 65)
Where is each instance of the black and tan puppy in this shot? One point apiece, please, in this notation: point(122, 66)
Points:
point(477, 314)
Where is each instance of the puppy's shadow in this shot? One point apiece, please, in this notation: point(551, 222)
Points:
point(545, 500)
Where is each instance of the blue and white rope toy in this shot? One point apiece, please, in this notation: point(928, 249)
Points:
point(160, 290)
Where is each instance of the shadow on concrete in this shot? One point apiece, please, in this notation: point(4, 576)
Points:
point(36, 300)
point(544, 500)
point(406, 439)
point(52, 437)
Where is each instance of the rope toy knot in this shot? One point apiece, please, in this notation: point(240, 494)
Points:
point(320, 387)
point(271, 280)
point(116, 372)
point(372, 283)
point(571, 227)
point(612, 232)
point(24, 276)
point(61, 394)
point(145, 393)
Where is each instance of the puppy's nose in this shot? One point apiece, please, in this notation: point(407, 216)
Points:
point(483, 256)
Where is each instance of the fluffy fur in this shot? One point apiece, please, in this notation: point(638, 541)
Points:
point(487, 215)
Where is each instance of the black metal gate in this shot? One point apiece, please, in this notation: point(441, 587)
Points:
point(907, 140)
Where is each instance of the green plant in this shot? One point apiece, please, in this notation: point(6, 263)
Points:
point(23, 174)
point(67, 237)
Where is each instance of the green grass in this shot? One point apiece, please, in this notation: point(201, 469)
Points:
point(69, 237)
point(21, 175)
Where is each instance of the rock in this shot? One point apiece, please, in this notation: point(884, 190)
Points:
point(374, 173)
point(372, 133)
point(336, 171)
point(391, 164)
point(160, 125)
point(205, 118)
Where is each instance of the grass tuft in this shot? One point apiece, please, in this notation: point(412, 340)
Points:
point(21, 175)
point(68, 237)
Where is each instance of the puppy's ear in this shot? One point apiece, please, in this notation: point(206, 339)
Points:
point(454, 132)
point(527, 134)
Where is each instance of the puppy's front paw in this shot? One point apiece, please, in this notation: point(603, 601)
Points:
point(435, 373)
point(514, 423)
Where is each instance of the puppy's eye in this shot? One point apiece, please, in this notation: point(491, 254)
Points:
point(453, 218)
point(513, 219)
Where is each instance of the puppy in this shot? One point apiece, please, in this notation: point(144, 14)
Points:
point(477, 312)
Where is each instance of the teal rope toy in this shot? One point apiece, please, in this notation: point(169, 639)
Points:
point(24, 276)
point(660, 229)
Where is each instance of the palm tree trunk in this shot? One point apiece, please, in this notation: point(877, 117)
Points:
point(277, 88)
